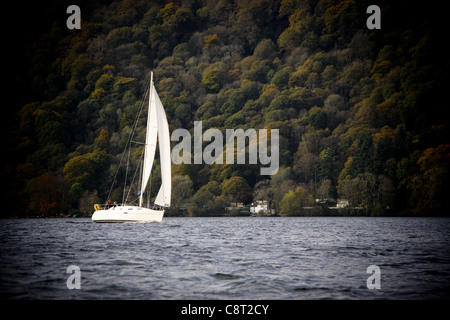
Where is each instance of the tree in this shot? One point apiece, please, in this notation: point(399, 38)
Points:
point(329, 165)
point(45, 195)
point(182, 190)
point(290, 204)
point(318, 118)
point(80, 170)
point(341, 21)
point(325, 190)
point(307, 167)
point(207, 201)
point(265, 49)
point(81, 67)
point(431, 184)
point(349, 190)
point(49, 158)
point(363, 159)
point(368, 187)
point(87, 202)
point(361, 191)
point(294, 202)
point(103, 140)
point(123, 84)
point(48, 126)
point(262, 191)
point(105, 82)
point(237, 190)
point(89, 170)
point(386, 194)
point(211, 40)
point(254, 20)
point(100, 160)
point(280, 184)
point(211, 79)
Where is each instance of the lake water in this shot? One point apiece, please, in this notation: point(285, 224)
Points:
point(226, 258)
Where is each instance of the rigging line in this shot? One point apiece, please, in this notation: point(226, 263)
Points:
point(135, 200)
point(140, 174)
point(131, 134)
point(126, 175)
point(131, 186)
point(140, 111)
point(134, 177)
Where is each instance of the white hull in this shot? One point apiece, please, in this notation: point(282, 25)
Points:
point(128, 214)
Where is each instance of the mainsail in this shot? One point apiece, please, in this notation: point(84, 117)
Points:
point(157, 126)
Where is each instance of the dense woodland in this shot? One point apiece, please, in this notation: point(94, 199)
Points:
point(361, 113)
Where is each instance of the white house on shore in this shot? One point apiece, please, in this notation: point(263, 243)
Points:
point(260, 207)
point(342, 203)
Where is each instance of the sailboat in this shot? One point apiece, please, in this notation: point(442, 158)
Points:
point(157, 127)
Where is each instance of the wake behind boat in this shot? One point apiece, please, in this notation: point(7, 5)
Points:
point(157, 127)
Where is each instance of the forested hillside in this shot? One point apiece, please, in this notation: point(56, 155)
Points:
point(362, 113)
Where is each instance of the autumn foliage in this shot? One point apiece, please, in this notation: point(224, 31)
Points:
point(362, 113)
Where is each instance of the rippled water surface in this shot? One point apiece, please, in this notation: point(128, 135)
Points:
point(226, 258)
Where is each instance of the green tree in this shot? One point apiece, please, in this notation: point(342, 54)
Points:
point(266, 49)
point(81, 67)
point(212, 79)
point(80, 170)
point(237, 190)
point(363, 159)
point(329, 165)
point(182, 190)
point(48, 126)
point(280, 184)
point(124, 84)
point(361, 191)
point(294, 202)
point(105, 82)
point(290, 204)
point(325, 190)
point(318, 118)
point(207, 201)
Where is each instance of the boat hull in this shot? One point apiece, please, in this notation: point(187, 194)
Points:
point(127, 214)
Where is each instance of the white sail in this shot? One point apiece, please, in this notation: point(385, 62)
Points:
point(150, 140)
point(164, 194)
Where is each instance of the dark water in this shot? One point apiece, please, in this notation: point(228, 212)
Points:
point(226, 258)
